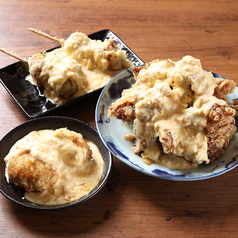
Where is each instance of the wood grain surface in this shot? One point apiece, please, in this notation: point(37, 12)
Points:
point(131, 204)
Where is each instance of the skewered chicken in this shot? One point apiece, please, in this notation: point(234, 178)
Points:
point(61, 76)
point(80, 66)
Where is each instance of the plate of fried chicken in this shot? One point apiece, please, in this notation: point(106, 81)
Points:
point(171, 120)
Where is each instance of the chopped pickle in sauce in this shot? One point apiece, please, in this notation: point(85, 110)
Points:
point(177, 110)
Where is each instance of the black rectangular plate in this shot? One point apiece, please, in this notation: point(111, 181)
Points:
point(31, 98)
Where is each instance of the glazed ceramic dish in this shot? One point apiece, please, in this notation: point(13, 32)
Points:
point(31, 99)
point(17, 195)
point(111, 132)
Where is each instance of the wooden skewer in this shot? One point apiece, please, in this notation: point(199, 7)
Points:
point(61, 41)
point(13, 55)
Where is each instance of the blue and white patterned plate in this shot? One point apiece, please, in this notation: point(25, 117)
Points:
point(111, 131)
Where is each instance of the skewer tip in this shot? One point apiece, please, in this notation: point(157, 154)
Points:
point(61, 41)
point(14, 55)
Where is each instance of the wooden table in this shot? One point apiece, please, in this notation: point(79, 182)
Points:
point(131, 204)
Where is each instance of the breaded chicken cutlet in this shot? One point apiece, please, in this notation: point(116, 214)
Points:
point(30, 173)
point(28, 166)
point(54, 166)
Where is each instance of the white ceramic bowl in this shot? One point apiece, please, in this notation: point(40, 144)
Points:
point(111, 132)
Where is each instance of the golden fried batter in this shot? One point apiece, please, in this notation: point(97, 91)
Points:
point(219, 128)
point(32, 174)
point(223, 88)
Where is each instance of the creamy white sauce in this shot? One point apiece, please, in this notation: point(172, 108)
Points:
point(175, 97)
point(89, 63)
point(77, 176)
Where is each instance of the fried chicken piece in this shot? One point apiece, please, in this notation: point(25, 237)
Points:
point(58, 74)
point(36, 63)
point(96, 54)
point(216, 127)
point(30, 173)
point(69, 88)
point(223, 88)
point(115, 56)
point(219, 129)
point(34, 162)
point(124, 112)
point(123, 109)
point(139, 146)
point(137, 70)
point(82, 145)
point(166, 141)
